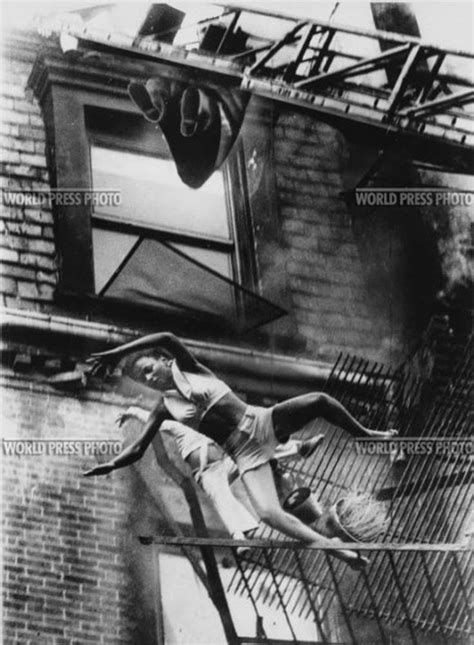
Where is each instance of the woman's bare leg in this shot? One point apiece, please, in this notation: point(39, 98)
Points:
point(292, 415)
point(261, 489)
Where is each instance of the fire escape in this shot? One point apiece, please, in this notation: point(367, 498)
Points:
point(421, 103)
point(418, 578)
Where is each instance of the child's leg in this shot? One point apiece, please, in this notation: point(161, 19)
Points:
point(297, 448)
point(215, 483)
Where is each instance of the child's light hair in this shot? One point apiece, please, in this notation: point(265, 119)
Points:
point(361, 516)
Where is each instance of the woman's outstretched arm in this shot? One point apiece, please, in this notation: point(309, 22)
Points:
point(161, 340)
point(134, 451)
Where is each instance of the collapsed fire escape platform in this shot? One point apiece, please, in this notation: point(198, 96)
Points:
point(421, 104)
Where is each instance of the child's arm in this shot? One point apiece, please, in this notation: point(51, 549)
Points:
point(133, 412)
point(135, 451)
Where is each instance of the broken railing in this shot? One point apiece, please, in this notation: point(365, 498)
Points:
point(324, 590)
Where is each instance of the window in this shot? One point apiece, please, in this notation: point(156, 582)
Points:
point(166, 247)
point(153, 196)
point(141, 246)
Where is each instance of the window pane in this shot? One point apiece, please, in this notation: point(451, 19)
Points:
point(155, 274)
point(151, 273)
point(218, 261)
point(153, 195)
point(109, 249)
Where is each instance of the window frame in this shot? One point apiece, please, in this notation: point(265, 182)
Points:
point(162, 233)
point(65, 90)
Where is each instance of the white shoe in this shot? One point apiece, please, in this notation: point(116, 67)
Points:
point(241, 551)
point(309, 446)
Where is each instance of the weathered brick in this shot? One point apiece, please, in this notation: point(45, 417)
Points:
point(45, 292)
point(6, 103)
point(11, 156)
point(46, 277)
point(9, 129)
point(45, 247)
point(11, 88)
point(35, 120)
point(39, 147)
point(13, 213)
point(8, 286)
point(8, 255)
point(39, 215)
point(17, 118)
point(38, 261)
point(23, 228)
point(32, 133)
point(33, 160)
point(47, 233)
point(27, 105)
point(16, 271)
point(22, 170)
point(16, 242)
point(11, 143)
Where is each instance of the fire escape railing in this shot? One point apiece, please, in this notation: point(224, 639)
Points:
point(441, 608)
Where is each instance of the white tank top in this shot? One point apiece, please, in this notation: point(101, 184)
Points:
point(194, 395)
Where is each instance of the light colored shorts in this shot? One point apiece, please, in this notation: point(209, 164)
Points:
point(253, 442)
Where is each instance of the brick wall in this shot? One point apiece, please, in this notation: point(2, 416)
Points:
point(62, 559)
point(73, 568)
point(350, 278)
point(27, 252)
point(74, 571)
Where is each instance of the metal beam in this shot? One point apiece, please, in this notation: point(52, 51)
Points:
point(230, 27)
point(401, 83)
point(453, 100)
point(291, 70)
point(216, 589)
point(287, 38)
point(323, 51)
point(361, 67)
point(356, 31)
point(432, 74)
point(258, 543)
